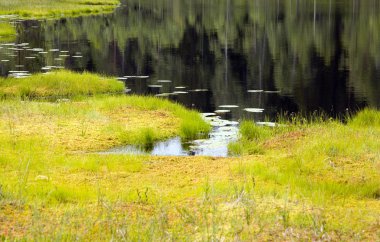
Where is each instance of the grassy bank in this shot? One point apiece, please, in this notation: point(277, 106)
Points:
point(58, 84)
point(55, 9)
point(310, 181)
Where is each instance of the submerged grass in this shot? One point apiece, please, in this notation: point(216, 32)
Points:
point(55, 9)
point(58, 84)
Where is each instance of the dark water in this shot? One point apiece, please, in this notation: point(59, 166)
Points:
point(304, 55)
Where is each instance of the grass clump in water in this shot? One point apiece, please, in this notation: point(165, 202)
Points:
point(251, 138)
point(366, 118)
point(58, 84)
point(55, 9)
point(7, 32)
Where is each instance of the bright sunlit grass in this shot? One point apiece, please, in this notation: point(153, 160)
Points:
point(7, 32)
point(49, 8)
point(58, 84)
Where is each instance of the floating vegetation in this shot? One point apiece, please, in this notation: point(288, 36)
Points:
point(208, 114)
point(164, 81)
point(255, 91)
point(163, 95)
point(222, 111)
point(254, 110)
point(155, 86)
point(228, 106)
point(138, 77)
point(180, 92)
point(122, 78)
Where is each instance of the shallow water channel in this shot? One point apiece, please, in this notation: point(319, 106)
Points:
point(216, 144)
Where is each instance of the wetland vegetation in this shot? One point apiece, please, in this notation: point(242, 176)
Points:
point(297, 180)
point(300, 178)
point(55, 9)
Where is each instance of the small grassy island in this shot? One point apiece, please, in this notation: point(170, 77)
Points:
point(55, 9)
point(301, 179)
point(7, 32)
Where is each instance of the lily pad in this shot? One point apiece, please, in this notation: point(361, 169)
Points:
point(222, 111)
point(254, 110)
point(228, 106)
point(180, 92)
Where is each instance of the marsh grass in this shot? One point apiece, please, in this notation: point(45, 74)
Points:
point(55, 9)
point(7, 32)
point(99, 123)
point(304, 180)
point(58, 84)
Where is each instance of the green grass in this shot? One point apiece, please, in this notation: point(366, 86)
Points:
point(58, 84)
point(99, 123)
point(7, 32)
point(55, 9)
point(307, 179)
point(252, 138)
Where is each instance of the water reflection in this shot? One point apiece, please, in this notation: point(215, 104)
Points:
point(303, 55)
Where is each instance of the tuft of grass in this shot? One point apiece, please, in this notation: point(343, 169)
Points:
point(58, 84)
point(366, 118)
point(7, 32)
point(251, 138)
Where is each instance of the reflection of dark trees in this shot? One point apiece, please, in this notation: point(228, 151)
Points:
point(325, 60)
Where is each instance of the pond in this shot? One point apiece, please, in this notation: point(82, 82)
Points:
point(241, 59)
